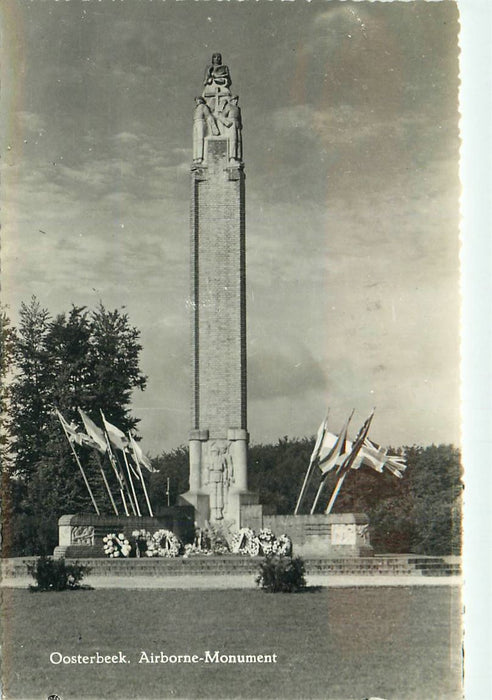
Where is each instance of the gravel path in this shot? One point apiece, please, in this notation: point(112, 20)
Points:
point(244, 581)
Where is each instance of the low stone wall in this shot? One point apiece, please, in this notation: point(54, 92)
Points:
point(81, 535)
point(229, 565)
point(334, 535)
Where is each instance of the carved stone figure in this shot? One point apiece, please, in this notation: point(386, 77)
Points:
point(216, 84)
point(203, 124)
point(216, 73)
point(220, 475)
point(230, 116)
point(362, 531)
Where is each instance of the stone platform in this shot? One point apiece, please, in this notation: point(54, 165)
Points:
point(385, 567)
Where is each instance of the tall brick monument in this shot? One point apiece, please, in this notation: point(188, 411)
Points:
point(218, 437)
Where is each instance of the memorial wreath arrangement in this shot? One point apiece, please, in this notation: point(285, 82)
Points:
point(140, 542)
point(116, 545)
point(267, 540)
point(164, 543)
point(244, 541)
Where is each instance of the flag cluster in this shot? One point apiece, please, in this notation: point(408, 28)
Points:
point(337, 452)
point(104, 440)
point(94, 437)
point(368, 453)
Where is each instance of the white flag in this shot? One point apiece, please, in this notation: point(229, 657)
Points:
point(141, 458)
point(116, 436)
point(93, 432)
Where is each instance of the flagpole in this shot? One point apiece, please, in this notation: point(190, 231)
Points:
point(118, 475)
point(107, 485)
point(312, 461)
point(167, 492)
point(349, 461)
point(131, 484)
point(108, 442)
point(141, 477)
point(81, 469)
point(151, 513)
point(304, 486)
point(318, 494)
point(335, 493)
point(125, 480)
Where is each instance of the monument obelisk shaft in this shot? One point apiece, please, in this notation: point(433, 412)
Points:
point(218, 438)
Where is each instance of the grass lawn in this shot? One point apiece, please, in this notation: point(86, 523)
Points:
point(333, 643)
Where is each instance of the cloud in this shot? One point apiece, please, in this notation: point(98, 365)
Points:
point(351, 150)
point(284, 368)
point(125, 137)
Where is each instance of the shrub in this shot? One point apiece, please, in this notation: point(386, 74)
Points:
point(56, 574)
point(282, 574)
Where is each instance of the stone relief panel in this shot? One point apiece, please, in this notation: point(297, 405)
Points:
point(342, 534)
point(362, 532)
point(82, 534)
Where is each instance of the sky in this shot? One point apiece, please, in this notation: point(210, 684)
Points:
point(351, 147)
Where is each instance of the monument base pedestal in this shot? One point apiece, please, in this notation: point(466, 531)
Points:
point(232, 518)
point(218, 477)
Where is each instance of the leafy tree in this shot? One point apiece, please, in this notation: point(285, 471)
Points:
point(6, 356)
point(115, 355)
point(435, 485)
point(79, 358)
point(420, 513)
point(29, 391)
point(277, 471)
point(175, 467)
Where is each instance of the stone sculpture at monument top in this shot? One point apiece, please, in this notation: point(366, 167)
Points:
point(217, 112)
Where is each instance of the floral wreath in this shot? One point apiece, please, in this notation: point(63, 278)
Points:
point(116, 545)
point(244, 541)
point(192, 550)
point(282, 546)
point(164, 543)
point(141, 538)
point(267, 540)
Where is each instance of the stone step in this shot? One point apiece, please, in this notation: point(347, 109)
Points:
point(231, 565)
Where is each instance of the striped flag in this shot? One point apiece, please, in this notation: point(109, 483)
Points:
point(339, 449)
point(356, 446)
point(377, 457)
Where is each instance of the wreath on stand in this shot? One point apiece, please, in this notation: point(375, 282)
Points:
point(266, 538)
point(164, 543)
point(140, 542)
point(244, 541)
point(116, 545)
point(282, 546)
